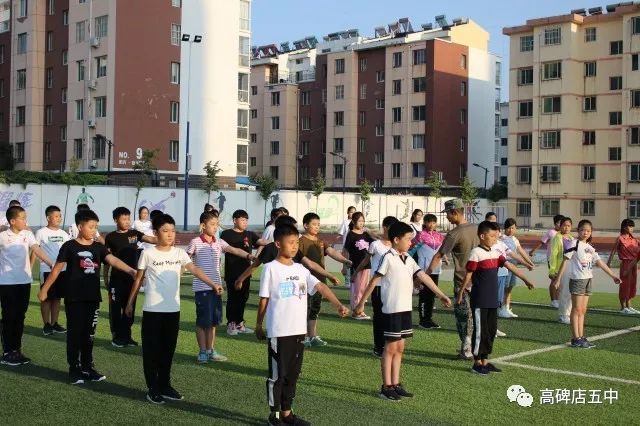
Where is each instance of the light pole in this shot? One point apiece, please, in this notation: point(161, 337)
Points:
point(187, 158)
point(344, 168)
point(486, 172)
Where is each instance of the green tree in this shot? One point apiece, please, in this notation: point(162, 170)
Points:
point(435, 184)
point(468, 192)
point(365, 190)
point(145, 166)
point(497, 192)
point(318, 185)
point(266, 185)
point(211, 178)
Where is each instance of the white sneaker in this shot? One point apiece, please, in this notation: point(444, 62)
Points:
point(626, 311)
point(500, 334)
point(564, 319)
point(231, 329)
point(555, 304)
point(504, 313)
point(634, 310)
point(511, 313)
point(243, 329)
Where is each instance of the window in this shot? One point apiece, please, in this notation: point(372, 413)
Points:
point(305, 123)
point(339, 66)
point(525, 109)
point(324, 96)
point(174, 151)
point(634, 172)
point(503, 161)
point(176, 31)
point(635, 25)
point(589, 137)
point(396, 61)
point(523, 208)
point(176, 3)
point(363, 91)
point(65, 18)
point(379, 76)
point(339, 92)
point(244, 51)
point(551, 105)
point(635, 99)
point(463, 61)
point(1, 53)
point(275, 147)
point(420, 84)
point(253, 137)
point(419, 57)
point(254, 90)
point(589, 172)
point(396, 87)
point(22, 8)
point(51, 8)
point(395, 170)
point(590, 69)
point(101, 28)
point(22, 79)
point(549, 207)
point(64, 95)
point(552, 36)
point(99, 148)
point(65, 57)
point(463, 143)
point(550, 139)
point(634, 62)
point(504, 142)
point(396, 114)
point(552, 70)
point(380, 130)
point(175, 72)
point(524, 142)
point(550, 173)
point(80, 109)
point(418, 170)
point(615, 47)
point(362, 118)
point(275, 123)
point(275, 98)
point(22, 43)
point(20, 116)
point(363, 64)
point(360, 171)
point(47, 152)
point(305, 97)
point(634, 136)
point(589, 104)
point(615, 118)
point(253, 162)
point(524, 175)
point(304, 148)
point(101, 66)
point(63, 133)
point(48, 115)
point(615, 154)
point(463, 116)
point(419, 113)
point(253, 113)
point(380, 103)
point(81, 31)
point(418, 141)
point(338, 145)
point(589, 34)
point(101, 106)
point(338, 118)
point(378, 157)
point(338, 171)
point(615, 83)
point(245, 17)
point(77, 148)
point(19, 152)
point(80, 68)
point(504, 122)
point(525, 76)
point(174, 112)
point(49, 41)
point(2, 93)
point(361, 145)
point(463, 88)
point(614, 188)
point(397, 142)
point(49, 73)
point(526, 43)
point(634, 208)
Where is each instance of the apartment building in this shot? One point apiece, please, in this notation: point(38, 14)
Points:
point(574, 116)
point(83, 79)
point(389, 108)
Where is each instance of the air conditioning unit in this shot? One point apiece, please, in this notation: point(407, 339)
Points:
point(91, 122)
point(95, 42)
point(93, 84)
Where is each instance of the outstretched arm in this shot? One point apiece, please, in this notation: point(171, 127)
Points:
point(511, 267)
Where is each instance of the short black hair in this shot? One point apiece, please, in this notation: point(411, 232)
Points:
point(120, 211)
point(309, 217)
point(14, 203)
point(625, 223)
point(83, 206)
point(558, 218)
point(284, 220)
point(208, 207)
point(388, 221)
point(155, 213)
point(349, 208)
point(51, 209)
point(485, 226)
point(509, 223)
point(399, 230)
point(284, 231)
point(84, 216)
point(284, 210)
point(13, 212)
point(207, 216)
point(140, 210)
point(275, 213)
point(489, 214)
point(428, 218)
point(240, 214)
point(160, 220)
point(565, 219)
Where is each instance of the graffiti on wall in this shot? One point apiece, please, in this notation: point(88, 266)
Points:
point(25, 198)
point(160, 205)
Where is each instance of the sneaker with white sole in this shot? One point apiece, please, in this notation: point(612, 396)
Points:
point(91, 375)
point(75, 376)
point(555, 304)
point(217, 357)
point(511, 313)
point(155, 398)
point(317, 341)
point(243, 329)
point(504, 313)
point(564, 319)
point(633, 310)
point(361, 317)
point(232, 330)
point(500, 334)
point(203, 357)
point(170, 393)
point(626, 311)
point(389, 393)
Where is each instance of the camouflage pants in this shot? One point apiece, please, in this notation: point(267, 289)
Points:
point(464, 319)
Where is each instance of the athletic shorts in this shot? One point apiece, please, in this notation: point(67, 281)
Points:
point(397, 326)
point(56, 291)
point(208, 309)
point(313, 306)
point(580, 287)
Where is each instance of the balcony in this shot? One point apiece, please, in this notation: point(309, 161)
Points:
point(243, 96)
point(293, 77)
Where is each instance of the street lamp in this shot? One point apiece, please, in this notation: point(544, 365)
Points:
point(187, 158)
point(486, 172)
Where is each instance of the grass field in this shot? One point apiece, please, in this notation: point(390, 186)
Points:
point(339, 382)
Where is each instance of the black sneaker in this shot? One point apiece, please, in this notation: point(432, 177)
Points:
point(377, 353)
point(480, 369)
point(402, 392)
point(118, 343)
point(75, 376)
point(57, 328)
point(14, 359)
point(428, 325)
point(292, 419)
point(47, 330)
point(92, 375)
point(131, 342)
point(492, 368)
point(389, 393)
point(172, 394)
point(155, 398)
point(274, 420)
point(23, 359)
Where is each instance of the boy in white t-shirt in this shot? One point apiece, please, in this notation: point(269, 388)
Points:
point(284, 286)
point(161, 267)
point(50, 238)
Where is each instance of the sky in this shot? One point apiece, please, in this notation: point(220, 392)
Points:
point(275, 21)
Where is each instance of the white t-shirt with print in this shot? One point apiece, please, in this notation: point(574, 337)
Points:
point(15, 267)
point(145, 228)
point(581, 256)
point(268, 233)
point(504, 251)
point(377, 249)
point(50, 240)
point(287, 287)
point(396, 285)
point(162, 278)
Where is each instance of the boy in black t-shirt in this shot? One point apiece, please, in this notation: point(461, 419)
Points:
point(82, 258)
point(123, 244)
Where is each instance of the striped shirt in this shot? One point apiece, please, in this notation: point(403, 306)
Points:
point(484, 264)
point(207, 256)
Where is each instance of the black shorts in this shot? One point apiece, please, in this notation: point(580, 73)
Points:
point(56, 291)
point(313, 306)
point(397, 326)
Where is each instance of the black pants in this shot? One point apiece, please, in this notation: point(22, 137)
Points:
point(485, 324)
point(82, 318)
point(237, 300)
point(14, 301)
point(285, 363)
point(426, 298)
point(159, 337)
point(378, 322)
point(118, 297)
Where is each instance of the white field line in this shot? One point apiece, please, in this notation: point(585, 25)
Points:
point(570, 373)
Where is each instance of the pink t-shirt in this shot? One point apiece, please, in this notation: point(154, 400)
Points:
point(431, 238)
point(546, 239)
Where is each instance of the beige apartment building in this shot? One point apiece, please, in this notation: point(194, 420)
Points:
point(574, 117)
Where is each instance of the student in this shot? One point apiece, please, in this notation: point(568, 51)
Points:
point(355, 249)
point(161, 267)
point(628, 250)
point(123, 244)
point(429, 241)
point(344, 228)
point(518, 255)
point(4, 224)
point(482, 272)
point(491, 217)
point(559, 244)
point(377, 249)
point(143, 224)
point(50, 238)
point(268, 231)
point(396, 273)
point(416, 222)
point(15, 282)
point(82, 258)
point(546, 239)
point(284, 286)
point(315, 249)
point(580, 257)
point(206, 252)
point(240, 238)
